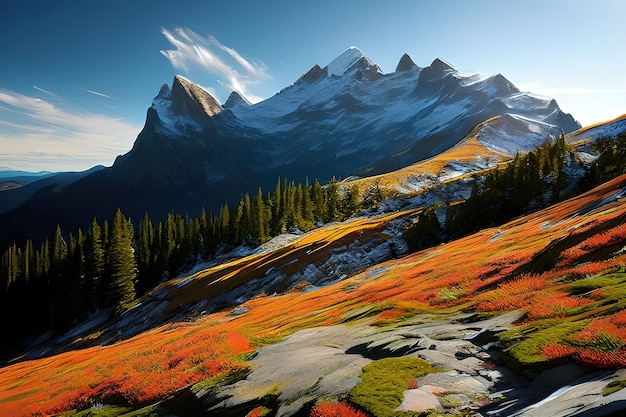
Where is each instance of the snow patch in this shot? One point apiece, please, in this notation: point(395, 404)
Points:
point(610, 129)
point(512, 133)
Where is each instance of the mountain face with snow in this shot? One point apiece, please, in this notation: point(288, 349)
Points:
point(346, 118)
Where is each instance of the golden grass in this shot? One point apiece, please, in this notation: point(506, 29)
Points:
point(465, 152)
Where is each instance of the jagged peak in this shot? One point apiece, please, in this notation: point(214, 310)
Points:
point(442, 65)
point(405, 64)
point(314, 74)
point(346, 60)
point(500, 82)
point(236, 99)
point(185, 95)
point(164, 92)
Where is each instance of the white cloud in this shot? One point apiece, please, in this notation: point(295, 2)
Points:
point(233, 71)
point(38, 135)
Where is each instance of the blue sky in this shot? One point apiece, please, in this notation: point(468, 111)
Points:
point(76, 77)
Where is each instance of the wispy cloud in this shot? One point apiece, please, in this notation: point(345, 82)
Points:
point(45, 91)
point(36, 134)
point(97, 93)
point(233, 71)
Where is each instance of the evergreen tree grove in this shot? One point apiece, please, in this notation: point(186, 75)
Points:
point(68, 277)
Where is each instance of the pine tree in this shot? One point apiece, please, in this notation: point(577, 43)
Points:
point(59, 281)
point(350, 202)
point(332, 200)
point(425, 231)
point(94, 267)
point(260, 222)
point(147, 256)
point(308, 217)
point(58, 254)
point(243, 225)
point(277, 225)
point(121, 291)
point(224, 223)
point(291, 210)
point(75, 277)
point(320, 210)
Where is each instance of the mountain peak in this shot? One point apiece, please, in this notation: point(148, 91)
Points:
point(346, 60)
point(314, 74)
point(441, 65)
point(164, 92)
point(503, 85)
point(405, 64)
point(191, 99)
point(235, 99)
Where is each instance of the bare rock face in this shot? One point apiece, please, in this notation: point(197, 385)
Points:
point(191, 100)
point(314, 74)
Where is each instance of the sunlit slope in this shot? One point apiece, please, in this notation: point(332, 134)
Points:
point(609, 128)
point(314, 247)
point(564, 267)
point(469, 156)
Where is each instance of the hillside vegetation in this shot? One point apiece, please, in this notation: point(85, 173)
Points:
point(560, 273)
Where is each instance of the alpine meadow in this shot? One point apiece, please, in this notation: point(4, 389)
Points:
point(428, 241)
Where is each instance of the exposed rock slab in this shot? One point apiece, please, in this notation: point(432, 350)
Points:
point(419, 400)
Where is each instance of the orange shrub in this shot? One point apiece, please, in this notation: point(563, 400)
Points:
point(557, 305)
point(557, 350)
point(338, 409)
point(602, 359)
point(592, 268)
point(259, 411)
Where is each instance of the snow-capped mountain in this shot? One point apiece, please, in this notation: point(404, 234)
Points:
point(346, 118)
point(343, 119)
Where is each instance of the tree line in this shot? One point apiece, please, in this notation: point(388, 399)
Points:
point(67, 277)
point(530, 181)
point(610, 163)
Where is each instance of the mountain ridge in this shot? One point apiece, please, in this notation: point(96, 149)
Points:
point(194, 152)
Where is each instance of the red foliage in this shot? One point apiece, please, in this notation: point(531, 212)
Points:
point(556, 305)
point(557, 350)
point(601, 344)
point(339, 409)
point(238, 343)
point(613, 326)
point(257, 412)
point(601, 359)
point(614, 235)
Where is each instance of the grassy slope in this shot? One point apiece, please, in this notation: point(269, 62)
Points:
point(563, 265)
point(465, 152)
